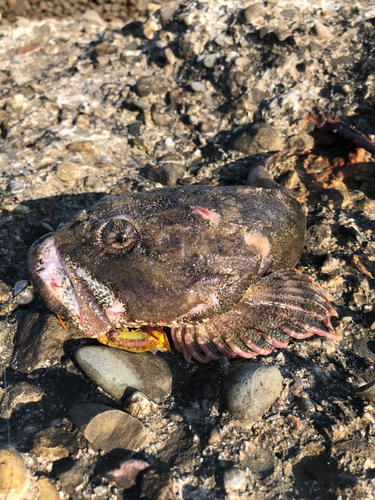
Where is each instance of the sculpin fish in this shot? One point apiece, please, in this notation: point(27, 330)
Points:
point(213, 264)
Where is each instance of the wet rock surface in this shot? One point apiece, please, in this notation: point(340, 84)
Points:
point(189, 93)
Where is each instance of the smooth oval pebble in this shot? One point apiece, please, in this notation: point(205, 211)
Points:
point(108, 429)
point(15, 479)
point(119, 373)
point(250, 389)
point(198, 87)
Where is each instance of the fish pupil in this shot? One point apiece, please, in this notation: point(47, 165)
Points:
point(121, 237)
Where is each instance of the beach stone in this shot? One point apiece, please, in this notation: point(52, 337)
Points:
point(68, 172)
point(93, 17)
point(198, 87)
point(21, 393)
point(210, 60)
point(250, 389)
point(167, 173)
point(108, 429)
point(301, 141)
point(54, 443)
point(253, 12)
point(15, 479)
point(47, 490)
point(322, 32)
point(39, 341)
point(234, 478)
point(120, 372)
point(123, 473)
point(259, 138)
point(86, 147)
point(168, 11)
point(147, 85)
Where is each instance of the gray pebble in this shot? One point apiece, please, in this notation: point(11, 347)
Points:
point(168, 11)
point(250, 389)
point(166, 173)
point(253, 12)
point(15, 187)
point(260, 138)
point(234, 478)
point(108, 429)
point(193, 120)
point(198, 87)
point(119, 372)
point(301, 141)
point(142, 105)
point(209, 61)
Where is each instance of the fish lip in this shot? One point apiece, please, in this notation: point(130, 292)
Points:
point(45, 267)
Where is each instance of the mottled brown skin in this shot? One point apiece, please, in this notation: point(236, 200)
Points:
point(190, 247)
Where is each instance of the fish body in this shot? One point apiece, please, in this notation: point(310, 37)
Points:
point(214, 264)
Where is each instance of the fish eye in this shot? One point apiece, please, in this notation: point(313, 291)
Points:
point(117, 235)
point(121, 237)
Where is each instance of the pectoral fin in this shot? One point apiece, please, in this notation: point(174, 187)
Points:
point(283, 305)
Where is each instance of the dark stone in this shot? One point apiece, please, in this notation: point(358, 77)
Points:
point(135, 128)
point(157, 486)
point(167, 174)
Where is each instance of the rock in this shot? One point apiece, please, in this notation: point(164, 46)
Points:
point(317, 238)
point(85, 147)
point(141, 105)
point(301, 141)
point(53, 444)
point(250, 389)
point(108, 429)
point(253, 12)
point(135, 128)
point(123, 473)
point(189, 46)
point(94, 184)
point(259, 138)
point(367, 391)
point(167, 173)
point(72, 475)
point(198, 87)
point(20, 393)
point(322, 32)
point(215, 437)
point(210, 60)
point(149, 28)
point(157, 486)
point(91, 16)
point(168, 11)
point(139, 406)
point(147, 85)
point(68, 172)
point(17, 104)
point(120, 372)
point(16, 482)
point(365, 348)
point(234, 478)
point(47, 491)
point(39, 342)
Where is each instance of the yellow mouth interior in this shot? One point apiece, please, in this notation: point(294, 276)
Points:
point(136, 340)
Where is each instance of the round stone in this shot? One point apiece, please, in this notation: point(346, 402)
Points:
point(198, 87)
point(250, 389)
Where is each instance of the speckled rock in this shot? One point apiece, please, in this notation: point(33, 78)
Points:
point(120, 372)
point(258, 139)
point(250, 389)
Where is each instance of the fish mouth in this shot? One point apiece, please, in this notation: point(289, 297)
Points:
point(62, 291)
